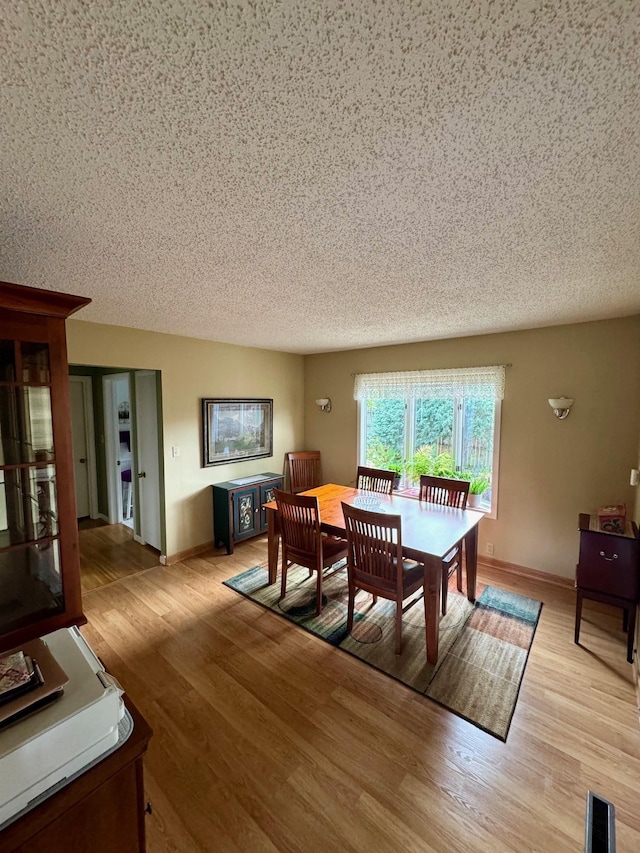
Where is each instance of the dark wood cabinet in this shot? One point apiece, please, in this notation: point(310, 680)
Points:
point(40, 592)
point(39, 557)
point(101, 811)
point(608, 570)
point(238, 512)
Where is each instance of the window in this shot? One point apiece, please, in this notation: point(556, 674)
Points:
point(442, 422)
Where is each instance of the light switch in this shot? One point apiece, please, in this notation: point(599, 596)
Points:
point(175, 450)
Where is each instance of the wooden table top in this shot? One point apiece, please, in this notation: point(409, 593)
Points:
point(427, 528)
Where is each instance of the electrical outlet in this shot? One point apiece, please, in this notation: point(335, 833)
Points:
point(490, 549)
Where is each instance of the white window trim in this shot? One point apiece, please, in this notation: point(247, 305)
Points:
point(495, 468)
point(413, 384)
point(491, 510)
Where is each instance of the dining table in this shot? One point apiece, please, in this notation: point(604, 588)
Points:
point(429, 532)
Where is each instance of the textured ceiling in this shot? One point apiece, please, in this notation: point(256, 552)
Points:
point(308, 176)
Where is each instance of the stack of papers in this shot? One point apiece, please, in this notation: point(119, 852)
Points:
point(19, 673)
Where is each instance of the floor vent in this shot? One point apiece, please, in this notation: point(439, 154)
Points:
point(601, 826)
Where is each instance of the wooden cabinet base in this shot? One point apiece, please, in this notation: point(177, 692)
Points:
point(101, 811)
point(608, 570)
point(629, 609)
point(238, 508)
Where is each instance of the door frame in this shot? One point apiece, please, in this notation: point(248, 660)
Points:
point(140, 532)
point(90, 440)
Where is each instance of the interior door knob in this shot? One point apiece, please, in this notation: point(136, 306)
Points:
point(141, 474)
point(83, 460)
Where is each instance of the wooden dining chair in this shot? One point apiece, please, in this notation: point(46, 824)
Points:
point(305, 470)
point(375, 563)
point(447, 492)
point(303, 542)
point(375, 480)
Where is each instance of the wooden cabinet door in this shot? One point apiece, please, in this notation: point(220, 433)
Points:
point(110, 820)
point(246, 513)
point(266, 496)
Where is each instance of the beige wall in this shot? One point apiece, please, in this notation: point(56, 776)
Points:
point(550, 470)
point(193, 369)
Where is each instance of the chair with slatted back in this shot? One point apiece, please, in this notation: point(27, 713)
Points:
point(375, 480)
point(447, 492)
point(375, 563)
point(305, 470)
point(303, 542)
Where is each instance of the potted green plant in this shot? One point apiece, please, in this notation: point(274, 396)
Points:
point(381, 456)
point(478, 484)
point(420, 463)
point(426, 461)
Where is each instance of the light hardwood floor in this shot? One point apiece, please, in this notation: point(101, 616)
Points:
point(108, 553)
point(267, 739)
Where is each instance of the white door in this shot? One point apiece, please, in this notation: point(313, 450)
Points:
point(123, 449)
point(82, 433)
point(148, 460)
point(117, 425)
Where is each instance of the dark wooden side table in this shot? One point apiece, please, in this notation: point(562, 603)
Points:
point(608, 570)
point(101, 811)
point(238, 511)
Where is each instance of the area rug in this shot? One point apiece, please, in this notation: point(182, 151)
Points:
point(483, 647)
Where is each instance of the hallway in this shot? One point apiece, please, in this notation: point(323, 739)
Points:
point(108, 553)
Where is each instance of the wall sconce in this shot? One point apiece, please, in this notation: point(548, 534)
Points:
point(324, 404)
point(561, 406)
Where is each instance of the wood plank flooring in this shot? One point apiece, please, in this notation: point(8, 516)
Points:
point(109, 553)
point(267, 739)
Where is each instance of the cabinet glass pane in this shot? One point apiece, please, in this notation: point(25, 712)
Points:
point(28, 506)
point(35, 363)
point(30, 585)
point(43, 500)
point(9, 426)
point(7, 361)
point(38, 427)
point(12, 515)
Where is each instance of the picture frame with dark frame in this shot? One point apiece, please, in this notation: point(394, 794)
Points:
point(234, 430)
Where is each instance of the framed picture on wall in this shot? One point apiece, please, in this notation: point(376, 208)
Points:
point(235, 430)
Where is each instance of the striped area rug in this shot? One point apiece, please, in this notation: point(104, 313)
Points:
point(483, 647)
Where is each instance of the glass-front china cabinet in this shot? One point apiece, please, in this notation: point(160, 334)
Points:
point(39, 559)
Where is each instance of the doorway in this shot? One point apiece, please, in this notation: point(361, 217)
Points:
point(133, 453)
point(117, 416)
point(119, 449)
point(83, 442)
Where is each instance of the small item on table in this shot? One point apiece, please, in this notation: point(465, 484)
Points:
point(18, 675)
point(612, 519)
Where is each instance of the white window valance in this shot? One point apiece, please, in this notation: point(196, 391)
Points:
point(478, 383)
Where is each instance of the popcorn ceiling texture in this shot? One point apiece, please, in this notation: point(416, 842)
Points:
point(310, 176)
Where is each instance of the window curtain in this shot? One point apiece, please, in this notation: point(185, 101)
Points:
point(478, 383)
